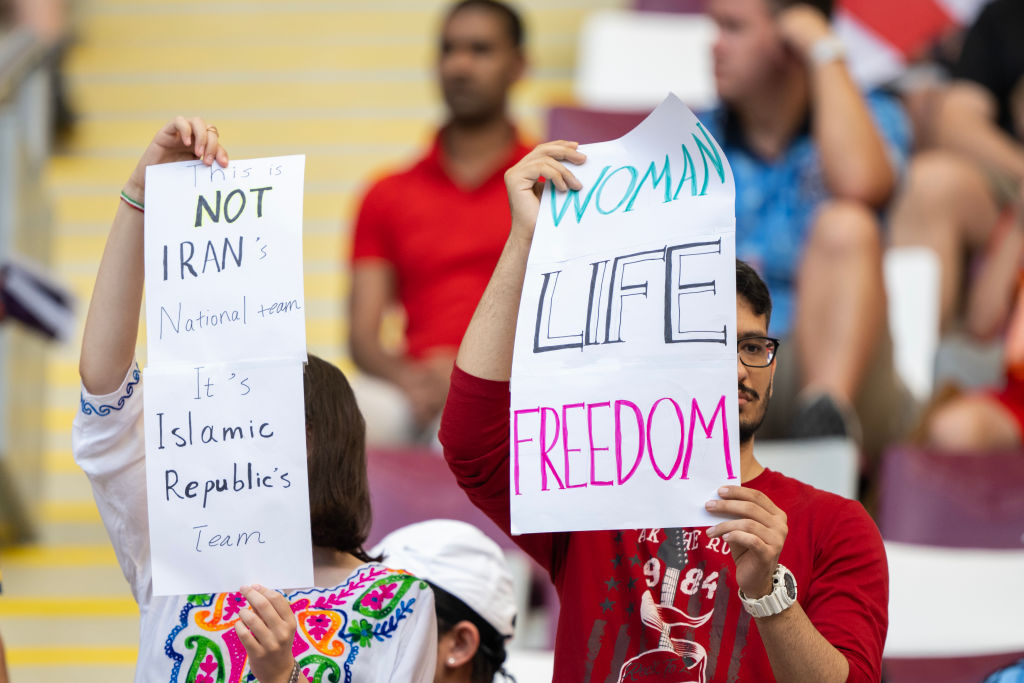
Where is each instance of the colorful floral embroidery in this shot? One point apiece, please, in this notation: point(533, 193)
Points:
point(205, 649)
point(224, 613)
point(208, 664)
point(375, 599)
point(317, 668)
point(105, 409)
point(317, 625)
point(320, 628)
point(362, 631)
point(234, 602)
point(384, 594)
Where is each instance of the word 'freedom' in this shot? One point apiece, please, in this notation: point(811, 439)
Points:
point(611, 463)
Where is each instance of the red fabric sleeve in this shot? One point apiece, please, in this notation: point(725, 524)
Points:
point(849, 597)
point(370, 235)
point(474, 433)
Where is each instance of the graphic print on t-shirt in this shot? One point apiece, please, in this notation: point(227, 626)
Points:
point(675, 658)
point(681, 623)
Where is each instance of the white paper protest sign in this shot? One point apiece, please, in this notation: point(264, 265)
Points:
point(226, 477)
point(224, 412)
point(624, 402)
point(224, 261)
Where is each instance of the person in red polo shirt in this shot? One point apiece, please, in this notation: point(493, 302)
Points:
point(428, 237)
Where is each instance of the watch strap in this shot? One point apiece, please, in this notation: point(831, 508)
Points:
point(827, 49)
point(782, 597)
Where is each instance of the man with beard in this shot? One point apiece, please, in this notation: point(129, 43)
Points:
point(793, 586)
point(428, 237)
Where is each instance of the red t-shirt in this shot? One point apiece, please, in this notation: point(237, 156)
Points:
point(442, 240)
point(615, 586)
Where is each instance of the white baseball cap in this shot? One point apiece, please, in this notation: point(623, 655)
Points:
point(460, 559)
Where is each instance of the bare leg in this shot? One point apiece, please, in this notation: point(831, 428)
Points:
point(991, 294)
point(973, 423)
point(945, 204)
point(840, 299)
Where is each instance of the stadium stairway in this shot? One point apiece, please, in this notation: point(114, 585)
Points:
point(349, 84)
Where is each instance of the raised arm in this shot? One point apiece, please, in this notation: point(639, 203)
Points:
point(486, 349)
point(112, 324)
point(853, 155)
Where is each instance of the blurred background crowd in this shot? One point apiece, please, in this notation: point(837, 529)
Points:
point(880, 192)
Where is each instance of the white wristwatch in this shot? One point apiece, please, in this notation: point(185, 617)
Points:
point(827, 49)
point(783, 595)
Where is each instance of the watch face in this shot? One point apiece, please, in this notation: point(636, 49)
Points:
point(790, 585)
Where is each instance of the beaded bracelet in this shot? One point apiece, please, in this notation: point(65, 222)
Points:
point(137, 205)
point(294, 678)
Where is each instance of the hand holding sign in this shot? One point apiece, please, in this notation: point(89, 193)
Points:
point(755, 537)
point(267, 630)
point(521, 181)
point(111, 328)
point(180, 140)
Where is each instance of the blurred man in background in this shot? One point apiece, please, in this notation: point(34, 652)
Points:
point(965, 200)
point(960, 197)
point(428, 237)
point(814, 160)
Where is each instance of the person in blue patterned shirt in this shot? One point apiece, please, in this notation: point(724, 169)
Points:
point(814, 162)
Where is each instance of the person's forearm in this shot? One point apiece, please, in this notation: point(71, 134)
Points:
point(797, 652)
point(486, 349)
point(112, 324)
point(962, 130)
point(371, 358)
point(853, 157)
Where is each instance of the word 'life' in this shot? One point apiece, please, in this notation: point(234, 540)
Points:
point(608, 291)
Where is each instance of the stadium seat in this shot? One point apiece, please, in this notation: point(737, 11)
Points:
point(414, 484)
point(684, 6)
point(954, 532)
point(585, 126)
point(830, 464)
point(629, 61)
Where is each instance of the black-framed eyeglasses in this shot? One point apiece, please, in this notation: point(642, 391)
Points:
point(757, 352)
